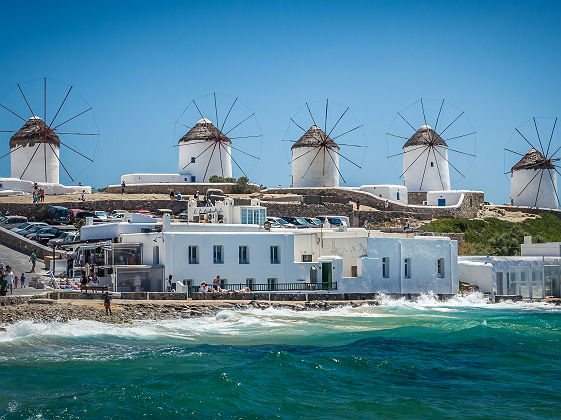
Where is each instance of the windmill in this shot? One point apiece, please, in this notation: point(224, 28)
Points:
point(430, 150)
point(208, 148)
point(316, 159)
point(35, 148)
point(533, 178)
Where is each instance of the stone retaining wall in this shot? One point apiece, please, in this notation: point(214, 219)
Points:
point(529, 210)
point(417, 197)
point(183, 188)
point(463, 209)
point(24, 245)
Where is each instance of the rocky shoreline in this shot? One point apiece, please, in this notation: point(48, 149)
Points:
point(48, 310)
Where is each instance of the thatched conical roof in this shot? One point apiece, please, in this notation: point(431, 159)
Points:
point(533, 160)
point(425, 136)
point(204, 130)
point(314, 137)
point(33, 132)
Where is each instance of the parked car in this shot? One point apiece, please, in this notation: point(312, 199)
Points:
point(299, 222)
point(161, 212)
point(9, 222)
point(28, 225)
point(314, 221)
point(64, 238)
point(280, 221)
point(73, 215)
point(334, 221)
point(44, 235)
point(119, 214)
point(101, 215)
point(34, 229)
point(83, 214)
point(57, 214)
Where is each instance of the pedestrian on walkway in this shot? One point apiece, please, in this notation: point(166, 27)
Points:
point(107, 303)
point(357, 204)
point(16, 281)
point(22, 278)
point(170, 286)
point(33, 260)
point(10, 278)
point(123, 186)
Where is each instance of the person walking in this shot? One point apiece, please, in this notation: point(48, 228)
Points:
point(10, 278)
point(16, 281)
point(33, 259)
point(22, 278)
point(69, 266)
point(357, 205)
point(107, 303)
point(170, 286)
point(123, 186)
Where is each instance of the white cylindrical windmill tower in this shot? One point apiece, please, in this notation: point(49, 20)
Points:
point(425, 162)
point(35, 152)
point(533, 182)
point(204, 151)
point(314, 161)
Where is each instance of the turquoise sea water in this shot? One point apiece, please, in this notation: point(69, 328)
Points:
point(402, 359)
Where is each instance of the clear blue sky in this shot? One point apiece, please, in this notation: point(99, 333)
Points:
point(140, 63)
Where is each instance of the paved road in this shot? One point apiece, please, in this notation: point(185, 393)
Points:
point(20, 264)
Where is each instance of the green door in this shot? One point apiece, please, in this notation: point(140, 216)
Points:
point(326, 275)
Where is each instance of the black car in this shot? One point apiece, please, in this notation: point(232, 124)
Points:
point(57, 215)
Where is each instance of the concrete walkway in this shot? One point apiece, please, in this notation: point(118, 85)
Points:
point(20, 264)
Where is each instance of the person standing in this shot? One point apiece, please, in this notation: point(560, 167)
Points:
point(357, 204)
point(69, 266)
point(10, 278)
point(123, 186)
point(3, 285)
point(22, 278)
point(107, 303)
point(16, 281)
point(33, 260)
point(170, 286)
point(83, 195)
point(197, 196)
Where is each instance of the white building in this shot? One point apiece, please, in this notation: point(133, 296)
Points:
point(533, 182)
point(425, 162)
point(315, 162)
point(335, 260)
point(535, 274)
point(34, 157)
point(397, 193)
point(204, 151)
point(447, 198)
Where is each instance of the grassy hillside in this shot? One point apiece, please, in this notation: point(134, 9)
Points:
point(498, 237)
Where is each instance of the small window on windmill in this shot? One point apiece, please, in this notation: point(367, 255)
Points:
point(193, 159)
point(432, 164)
point(398, 196)
point(185, 179)
point(193, 179)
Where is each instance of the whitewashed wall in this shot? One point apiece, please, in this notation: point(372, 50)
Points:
point(526, 197)
point(36, 170)
point(388, 192)
point(131, 179)
point(14, 184)
point(323, 171)
point(431, 180)
point(190, 149)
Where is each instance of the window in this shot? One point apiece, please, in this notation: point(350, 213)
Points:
point(193, 254)
point(272, 283)
point(440, 267)
point(218, 254)
point(253, 216)
point(244, 254)
point(193, 179)
point(407, 268)
point(306, 258)
point(386, 267)
point(249, 283)
point(431, 164)
point(275, 255)
point(193, 159)
point(470, 202)
point(185, 179)
point(156, 256)
point(354, 271)
point(397, 196)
